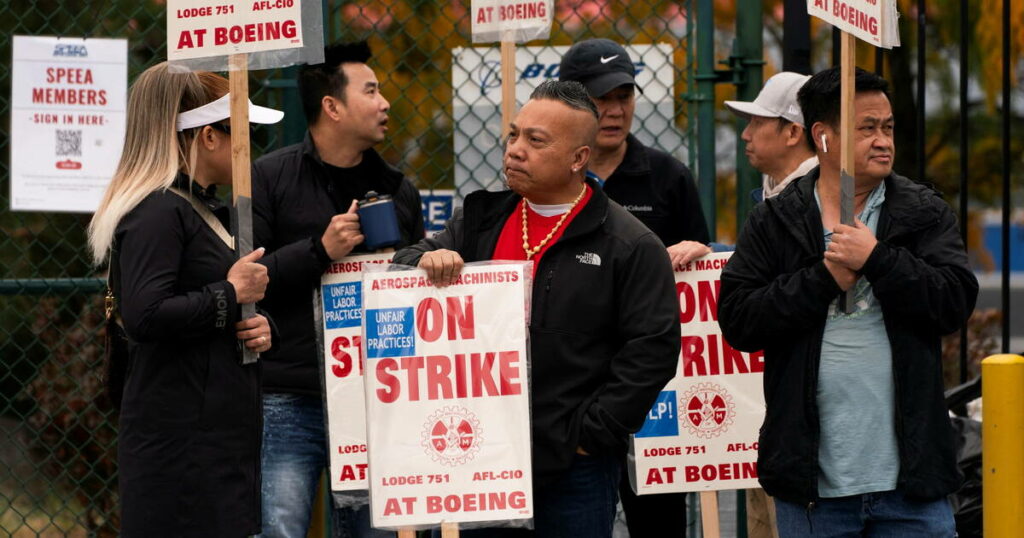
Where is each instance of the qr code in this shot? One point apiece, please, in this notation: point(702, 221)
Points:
point(69, 143)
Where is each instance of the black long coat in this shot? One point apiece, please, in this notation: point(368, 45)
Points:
point(191, 418)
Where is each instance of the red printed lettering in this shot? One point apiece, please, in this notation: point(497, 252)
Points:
point(722, 471)
point(353, 472)
point(391, 383)
point(430, 318)
point(254, 32)
point(470, 502)
point(662, 475)
point(345, 360)
point(486, 374)
point(712, 355)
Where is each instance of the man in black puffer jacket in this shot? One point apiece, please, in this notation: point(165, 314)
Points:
point(856, 435)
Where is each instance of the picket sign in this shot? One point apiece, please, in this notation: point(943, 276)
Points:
point(510, 22)
point(702, 430)
point(447, 397)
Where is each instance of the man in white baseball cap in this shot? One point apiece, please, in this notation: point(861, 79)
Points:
point(776, 145)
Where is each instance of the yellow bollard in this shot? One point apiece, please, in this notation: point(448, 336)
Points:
point(1002, 443)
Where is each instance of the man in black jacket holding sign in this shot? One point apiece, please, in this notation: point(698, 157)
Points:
point(856, 437)
point(304, 214)
point(604, 325)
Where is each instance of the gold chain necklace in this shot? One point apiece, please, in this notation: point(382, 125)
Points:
point(526, 241)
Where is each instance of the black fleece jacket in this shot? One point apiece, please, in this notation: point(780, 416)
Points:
point(604, 328)
point(659, 190)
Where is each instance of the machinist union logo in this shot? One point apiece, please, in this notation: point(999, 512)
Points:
point(452, 435)
point(709, 410)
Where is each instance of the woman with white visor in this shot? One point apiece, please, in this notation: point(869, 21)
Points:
point(190, 427)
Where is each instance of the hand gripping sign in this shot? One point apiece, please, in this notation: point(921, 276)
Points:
point(701, 433)
point(447, 397)
point(339, 309)
point(234, 35)
point(873, 21)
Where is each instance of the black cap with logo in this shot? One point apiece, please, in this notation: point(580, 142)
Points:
point(601, 65)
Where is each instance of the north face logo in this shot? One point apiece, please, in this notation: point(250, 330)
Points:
point(589, 258)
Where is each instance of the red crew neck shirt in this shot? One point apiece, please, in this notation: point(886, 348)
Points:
point(510, 242)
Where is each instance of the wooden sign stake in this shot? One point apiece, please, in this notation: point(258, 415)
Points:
point(241, 174)
point(847, 187)
point(709, 514)
point(508, 84)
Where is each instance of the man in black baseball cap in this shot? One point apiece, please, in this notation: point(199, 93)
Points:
point(601, 65)
point(651, 184)
point(658, 190)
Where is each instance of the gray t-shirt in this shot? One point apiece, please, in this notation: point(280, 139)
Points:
point(858, 451)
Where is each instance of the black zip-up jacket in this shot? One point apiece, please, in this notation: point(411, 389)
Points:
point(659, 190)
point(292, 205)
point(604, 328)
point(191, 415)
point(775, 296)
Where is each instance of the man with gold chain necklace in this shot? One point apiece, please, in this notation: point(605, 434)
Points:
point(604, 331)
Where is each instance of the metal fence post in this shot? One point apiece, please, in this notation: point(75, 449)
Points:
point(706, 111)
point(749, 50)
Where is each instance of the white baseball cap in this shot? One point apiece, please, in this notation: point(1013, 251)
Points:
point(221, 110)
point(776, 100)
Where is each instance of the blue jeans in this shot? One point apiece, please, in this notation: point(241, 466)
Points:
point(887, 514)
point(294, 456)
point(581, 503)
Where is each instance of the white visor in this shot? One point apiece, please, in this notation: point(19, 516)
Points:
point(221, 110)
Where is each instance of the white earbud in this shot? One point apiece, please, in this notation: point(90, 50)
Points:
point(824, 144)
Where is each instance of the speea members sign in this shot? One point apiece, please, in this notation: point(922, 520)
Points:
point(701, 434)
point(68, 114)
point(447, 396)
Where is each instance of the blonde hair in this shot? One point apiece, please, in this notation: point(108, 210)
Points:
point(154, 151)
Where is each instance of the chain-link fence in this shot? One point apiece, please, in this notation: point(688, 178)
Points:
point(58, 469)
